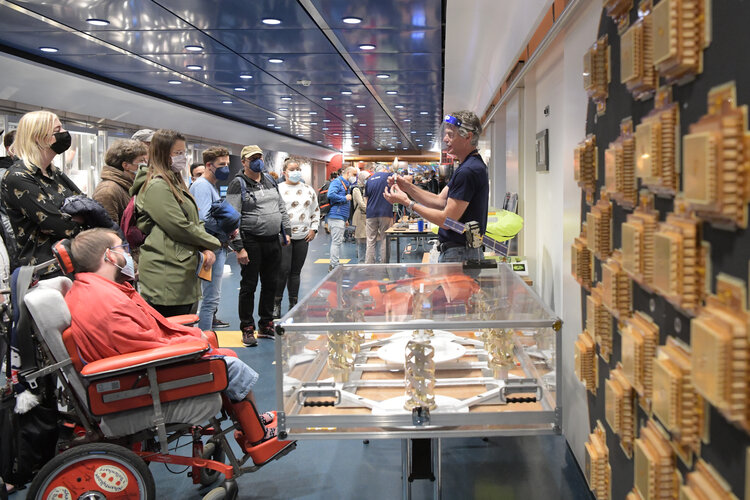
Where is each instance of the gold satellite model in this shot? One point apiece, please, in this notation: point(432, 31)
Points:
point(585, 361)
point(599, 228)
point(656, 145)
point(599, 322)
point(704, 483)
point(585, 165)
point(620, 409)
point(597, 73)
point(619, 167)
point(716, 159)
point(655, 474)
point(640, 336)
point(598, 471)
point(680, 32)
point(619, 11)
point(637, 56)
point(582, 260)
point(617, 289)
point(637, 240)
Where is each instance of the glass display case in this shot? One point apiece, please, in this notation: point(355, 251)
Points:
point(418, 351)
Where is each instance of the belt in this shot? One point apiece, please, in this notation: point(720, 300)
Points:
point(445, 245)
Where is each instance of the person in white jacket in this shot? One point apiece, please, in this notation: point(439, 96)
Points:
point(304, 216)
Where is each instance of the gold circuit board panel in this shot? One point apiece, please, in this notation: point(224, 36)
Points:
point(716, 159)
point(619, 408)
point(619, 11)
point(599, 228)
point(598, 471)
point(597, 73)
point(704, 483)
point(655, 472)
point(640, 336)
point(680, 31)
point(680, 260)
point(586, 366)
point(585, 167)
point(599, 323)
point(656, 145)
point(616, 286)
point(674, 400)
point(582, 260)
point(619, 167)
point(637, 57)
point(637, 239)
point(719, 339)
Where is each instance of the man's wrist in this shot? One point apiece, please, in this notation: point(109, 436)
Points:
point(411, 206)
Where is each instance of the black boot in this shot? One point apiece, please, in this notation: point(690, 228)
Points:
point(277, 307)
point(292, 302)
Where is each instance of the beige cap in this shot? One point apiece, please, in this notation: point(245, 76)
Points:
point(249, 151)
point(143, 135)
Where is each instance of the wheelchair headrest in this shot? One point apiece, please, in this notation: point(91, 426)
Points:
point(64, 256)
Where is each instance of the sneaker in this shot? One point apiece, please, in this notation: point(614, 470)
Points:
point(266, 331)
point(219, 323)
point(248, 337)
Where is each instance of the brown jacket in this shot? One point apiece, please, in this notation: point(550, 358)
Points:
point(112, 191)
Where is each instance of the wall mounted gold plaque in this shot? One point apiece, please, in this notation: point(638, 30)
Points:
point(636, 57)
point(680, 31)
point(598, 471)
point(619, 408)
point(640, 335)
point(674, 399)
point(720, 360)
point(599, 228)
point(637, 239)
point(716, 160)
point(617, 287)
point(655, 474)
point(680, 259)
point(585, 165)
point(619, 167)
point(586, 366)
point(704, 483)
point(599, 322)
point(597, 73)
point(656, 145)
point(582, 260)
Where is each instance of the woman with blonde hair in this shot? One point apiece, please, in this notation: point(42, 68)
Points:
point(34, 190)
point(167, 213)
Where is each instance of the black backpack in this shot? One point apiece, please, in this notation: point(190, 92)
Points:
point(323, 203)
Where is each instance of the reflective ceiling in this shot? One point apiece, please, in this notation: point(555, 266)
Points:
point(294, 66)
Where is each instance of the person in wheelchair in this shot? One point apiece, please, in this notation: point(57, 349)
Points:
point(109, 317)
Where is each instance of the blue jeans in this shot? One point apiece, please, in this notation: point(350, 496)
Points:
point(240, 379)
point(460, 254)
point(212, 292)
point(337, 228)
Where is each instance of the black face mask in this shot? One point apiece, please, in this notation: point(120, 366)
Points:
point(62, 142)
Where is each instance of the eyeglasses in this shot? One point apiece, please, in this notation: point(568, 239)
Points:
point(124, 246)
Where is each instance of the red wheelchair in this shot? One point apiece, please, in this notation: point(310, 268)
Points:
point(127, 410)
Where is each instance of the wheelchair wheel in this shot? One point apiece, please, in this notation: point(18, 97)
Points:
point(94, 471)
point(211, 451)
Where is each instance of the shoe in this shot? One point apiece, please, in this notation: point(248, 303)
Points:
point(266, 331)
point(248, 337)
point(219, 323)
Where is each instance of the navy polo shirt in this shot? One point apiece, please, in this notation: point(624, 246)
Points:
point(469, 183)
point(377, 205)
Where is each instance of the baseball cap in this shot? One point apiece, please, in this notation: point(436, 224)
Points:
point(143, 135)
point(249, 151)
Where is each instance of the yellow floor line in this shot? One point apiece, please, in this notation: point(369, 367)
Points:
point(328, 261)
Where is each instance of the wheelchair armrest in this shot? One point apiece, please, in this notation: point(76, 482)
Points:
point(139, 360)
point(184, 319)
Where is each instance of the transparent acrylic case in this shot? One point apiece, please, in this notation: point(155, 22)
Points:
point(418, 350)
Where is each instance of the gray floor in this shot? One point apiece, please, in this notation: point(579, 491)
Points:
point(529, 468)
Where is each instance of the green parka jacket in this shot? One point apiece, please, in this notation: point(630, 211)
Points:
point(169, 256)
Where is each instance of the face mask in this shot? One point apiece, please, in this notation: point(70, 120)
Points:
point(128, 270)
point(62, 142)
point(222, 173)
point(179, 162)
point(294, 176)
point(353, 179)
point(257, 165)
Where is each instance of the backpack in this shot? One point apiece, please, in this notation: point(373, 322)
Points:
point(323, 203)
point(222, 220)
point(133, 235)
point(9, 237)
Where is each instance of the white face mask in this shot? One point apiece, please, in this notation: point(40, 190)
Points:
point(179, 162)
point(294, 176)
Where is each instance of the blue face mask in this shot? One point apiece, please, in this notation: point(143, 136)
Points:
point(294, 176)
point(222, 173)
point(257, 165)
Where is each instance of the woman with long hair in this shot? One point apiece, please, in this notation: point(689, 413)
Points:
point(34, 190)
point(176, 241)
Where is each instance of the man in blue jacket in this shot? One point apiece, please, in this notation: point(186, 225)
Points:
point(339, 197)
point(379, 216)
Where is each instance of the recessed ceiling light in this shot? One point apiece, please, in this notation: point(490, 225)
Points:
point(336, 133)
point(50, 50)
point(277, 126)
point(283, 109)
point(226, 101)
point(318, 141)
point(97, 22)
point(356, 137)
point(398, 142)
point(313, 123)
point(404, 149)
point(174, 82)
point(240, 89)
point(349, 115)
point(275, 60)
point(399, 106)
point(361, 106)
point(193, 48)
point(246, 77)
point(271, 118)
point(326, 120)
point(286, 98)
point(391, 92)
point(418, 139)
point(194, 67)
point(362, 124)
point(330, 145)
point(356, 144)
point(428, 133)
point(324, 128)
point(413, 131)
point(352, 20)
point(367, 46)
point(424, 113)
point(346, 92)
point(272, 21)
point(327, 98)
point(383, 76)
point(312, 113)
